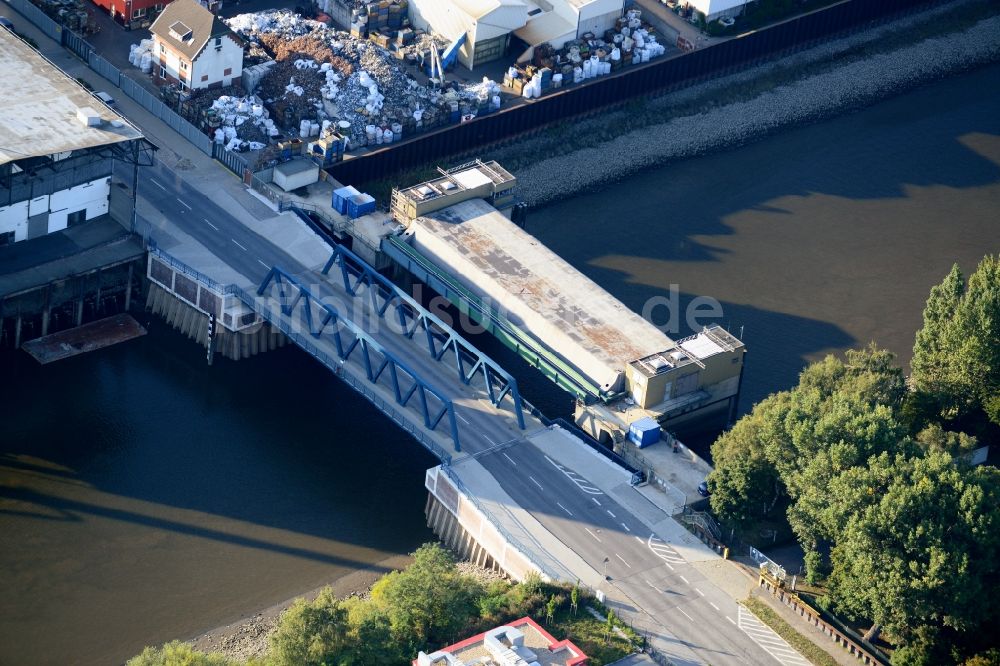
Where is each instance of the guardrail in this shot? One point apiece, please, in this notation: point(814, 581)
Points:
point(187, 270)
point(813, 617)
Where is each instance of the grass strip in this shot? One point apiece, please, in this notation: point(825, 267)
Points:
point(806, 647)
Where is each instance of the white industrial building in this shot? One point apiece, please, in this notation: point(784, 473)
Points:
point(716, 9)
point(57, 146)
point(488, 24)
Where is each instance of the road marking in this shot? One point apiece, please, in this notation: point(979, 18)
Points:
point(700, 593)
point(730, 619)
point(580, 482)
point(623, 560)
point(565, 509)
point(509, 458)
point(767, 639)
point(610, 514)
point(669, 566)
point(535, 482)
point(489, 440)
point(593, 535)
point(626, 527)
point(663, 551)
point(639, 539)
point(155, 182)
point(183, 204)
point(685, 614)
point(263, 264)
point(652, 586)
point(210, 224)
point(713, 606)
point(595, 501)
point(684, 579)
point(462, 417)
point(238, 245)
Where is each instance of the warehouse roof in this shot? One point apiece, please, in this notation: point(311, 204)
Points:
point(38, 110)
point(561, 307)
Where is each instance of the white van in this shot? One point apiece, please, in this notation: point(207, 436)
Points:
point(105, 97)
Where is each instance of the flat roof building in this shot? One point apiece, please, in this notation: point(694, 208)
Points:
point(58, 143)
point(519, 643)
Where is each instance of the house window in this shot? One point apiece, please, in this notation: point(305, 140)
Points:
point(163, 49)
point(183, 85)
point(218, 42)
point(227, 71)
point(163, 72)
point(158, 6)
point(138, 13)
point(204, 77)
point(184, 65)
point(6, 238)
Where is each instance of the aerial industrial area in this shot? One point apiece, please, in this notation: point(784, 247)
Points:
point(336, 207)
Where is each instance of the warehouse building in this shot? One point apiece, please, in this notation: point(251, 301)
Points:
point(488, 24)
point(58, 144)
point(716, 9)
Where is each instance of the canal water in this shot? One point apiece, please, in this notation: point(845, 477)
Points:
point(145, 496)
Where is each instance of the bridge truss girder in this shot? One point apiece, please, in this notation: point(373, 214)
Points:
point(440, 338)
point(321, 319)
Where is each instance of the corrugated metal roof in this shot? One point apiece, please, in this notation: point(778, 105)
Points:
point(39, 106)
point(538, 290)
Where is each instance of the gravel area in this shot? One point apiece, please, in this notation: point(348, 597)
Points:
point(854, 82)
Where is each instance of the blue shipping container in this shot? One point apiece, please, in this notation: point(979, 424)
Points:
point(644, 432)
point(360, 204)
point(341, 197)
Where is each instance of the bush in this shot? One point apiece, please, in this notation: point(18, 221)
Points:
point(178, 654)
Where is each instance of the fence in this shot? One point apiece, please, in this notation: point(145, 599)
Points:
point(231, 160)
point(657, 77)
point(853, 647)
point(38, 18)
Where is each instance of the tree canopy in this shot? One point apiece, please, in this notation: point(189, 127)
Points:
point(874, 480)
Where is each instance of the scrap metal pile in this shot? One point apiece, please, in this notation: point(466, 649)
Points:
point(368, 91)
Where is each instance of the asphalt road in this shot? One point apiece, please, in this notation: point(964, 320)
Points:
point(682, 606)
point(698, 622)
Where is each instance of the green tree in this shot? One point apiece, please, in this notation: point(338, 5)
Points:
point(609, 626)
point(744, 484)
point(429, 603)
point(956, 355)
point(312, 633)
point(917, 542)
point(574, 596)
point(550, 609)
point(177, 654)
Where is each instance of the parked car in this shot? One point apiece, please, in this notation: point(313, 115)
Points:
point(703, 488)
point(727, 21)
point(105, 97)
point(5, 22)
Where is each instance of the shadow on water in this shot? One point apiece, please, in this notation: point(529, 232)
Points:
point(818, 239)
point(177, 496)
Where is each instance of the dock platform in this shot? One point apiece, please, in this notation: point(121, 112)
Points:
point(82, 339)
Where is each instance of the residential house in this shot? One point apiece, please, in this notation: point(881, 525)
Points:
point(193, 48)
